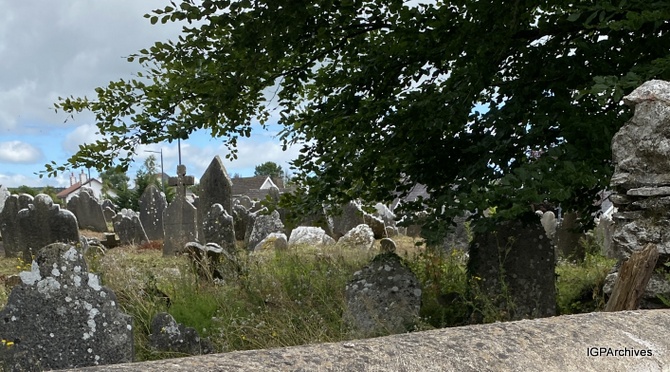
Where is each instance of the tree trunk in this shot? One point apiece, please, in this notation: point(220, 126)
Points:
point(632, 280)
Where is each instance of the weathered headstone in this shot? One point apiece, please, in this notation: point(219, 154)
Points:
point(264, 225)
point(168, 335)
point(152, 206)
point(9, 228)
point(128, 227)
point(215, 187)
point(387, 245)
point(458, 238)
point(515, 265)
point(241, 221)
point(382, 298)
point(59, 316)
point(568, 236)
point(43, 223)
point(360, 237)
point(351, 216)
point(179, 219)
point(309, 235)
point(4, 194)
point(109, 214)
point(86, 207)
point(275, 241)
point(219, 228)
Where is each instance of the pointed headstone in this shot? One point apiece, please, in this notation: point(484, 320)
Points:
point(215, 187)
point(179, 219)
point(152, 205)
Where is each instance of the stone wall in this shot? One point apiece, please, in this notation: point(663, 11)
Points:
point(548, 344)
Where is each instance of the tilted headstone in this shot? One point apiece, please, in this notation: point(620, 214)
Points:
point(109, 214)
point(86, 207)
point(246, 202)
point(641, 182)
point(264, 225)
point(128, 227)
point(152, 206)
point(383, 298)
point(59, 317)
point(515, 266)
point(168, 335)
point(360, 237)
point(219, 228)
point(251, 220)
point(351, 216)
point(9, 228)
point(106, 203)
point(311, 236)
point(215, 187)
point(43, 223)
point(240, 220)
point(180, 217)
point(376, 224)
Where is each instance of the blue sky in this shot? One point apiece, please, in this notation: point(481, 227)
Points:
point(61, 48)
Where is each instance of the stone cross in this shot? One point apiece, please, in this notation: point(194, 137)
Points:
point(181, 181)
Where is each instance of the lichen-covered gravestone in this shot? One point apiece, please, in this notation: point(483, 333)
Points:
point(215, 187)
point(59, 316)
point(180, 217)
point(128, 227)
point(168, 335)
point(152, 205)
point(219, 228)
point(86, 207)
point(311, 236)
point(514, 264)
point(360, 237)
point(383, 298)
point(43, 223)
point(9, 223)
point(264, 225)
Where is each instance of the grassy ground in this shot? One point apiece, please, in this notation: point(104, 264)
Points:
point(284, 298)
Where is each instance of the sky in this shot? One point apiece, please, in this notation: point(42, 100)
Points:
point(51, 49)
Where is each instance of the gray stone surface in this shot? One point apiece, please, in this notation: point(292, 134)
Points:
point(86, 207)
point(43, 223)
point(128, 227)
point(4, 194)
point(274, 241)
point(59, 316)
point(180, 226)
point(168, 335)
point(360, 237)
point(264, 225)
point(152, 206)
point(309, 235)
point(382, 298)
point(376, 224)
point(219, 228)
point(339, 224)
point(241, 221)
point(9, 224)
point(554, 344)
point(387, 245)
point(568, 236)
point(523, 257)
point(215, 187)
point(458, 238)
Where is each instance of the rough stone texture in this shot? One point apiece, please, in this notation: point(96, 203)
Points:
point(382, 298)
point(152, 206)
point(4, 194)
point(215, 187)
point(603, 234)
point(43, 223)
point(387, 245)
point(9, 224)
point(60, 317)
point(109, 214)
point(168, 335)
point(219, 228)
point(128, 227)
point(240, 220)
point(246, 202)
point(206, 258)
point(264, 225)
point(551, 344)
point(180, 226)
point(524, 257)
point(86, 207)
point(458, 238)
point(376, 224)
point(568, 236)
point(340, 224)
point(360, 237)
point(274, 241)
point(658, 285)
point(309, 235)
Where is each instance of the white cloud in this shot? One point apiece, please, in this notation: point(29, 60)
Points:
point(86, 133)
point(19, 152)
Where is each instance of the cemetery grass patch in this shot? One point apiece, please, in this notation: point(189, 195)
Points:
point(579, 286)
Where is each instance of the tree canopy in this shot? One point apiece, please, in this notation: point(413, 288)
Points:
point(499, 104)
point(269, 168)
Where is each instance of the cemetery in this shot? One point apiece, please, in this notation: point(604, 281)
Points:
point(224, 282)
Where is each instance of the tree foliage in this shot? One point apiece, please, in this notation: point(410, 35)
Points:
point(500, 104)
point(269, 168)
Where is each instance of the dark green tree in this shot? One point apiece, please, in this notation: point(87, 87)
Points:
point(23, 189)
point(269, 168)
point(500, 103)
point(113, 180)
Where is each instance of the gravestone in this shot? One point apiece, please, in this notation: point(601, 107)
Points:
point(246, 202)
point(383, 298)
point(109, 214)
point(59, 316)
point(339, 224)
point(179, 219)
point(215, 187)
point(568, 236)
point(9, 228)
point(264, 225)
point(360, 237)
point(4, 194)
point(128, 227)
point(240, 221)
point(86, 207)
point(43, 223)
point(309, 235)
point(152, 206)
point(522, 256)
point(275, 241)
point(168, 335)
point(387, 245)
point(219, 228)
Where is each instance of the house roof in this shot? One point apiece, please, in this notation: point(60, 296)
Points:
point(244, 185)
point(63, 194)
